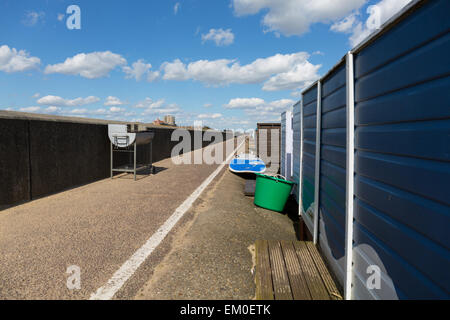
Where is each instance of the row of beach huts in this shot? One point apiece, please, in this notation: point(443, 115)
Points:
point(368, 146)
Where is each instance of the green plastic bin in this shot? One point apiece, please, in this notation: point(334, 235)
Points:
point(271, 192)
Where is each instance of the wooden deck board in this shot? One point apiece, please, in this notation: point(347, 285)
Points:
point(297, 280)
point(281, 286)
point(313, 279)
point(264, 288)
point(287, 270)
point(328, 281)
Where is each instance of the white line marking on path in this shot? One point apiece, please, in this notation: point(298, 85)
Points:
point(121, 276)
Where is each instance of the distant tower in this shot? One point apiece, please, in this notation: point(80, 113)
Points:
point(169, 120)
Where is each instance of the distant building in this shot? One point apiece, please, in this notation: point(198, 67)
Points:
point(170, 120)
point(159, 122)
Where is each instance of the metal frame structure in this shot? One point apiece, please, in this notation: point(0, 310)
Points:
point(350, 161)
point(300, 171)
point(132, 149)
point(286, 147)
point(311, 225)
point(317, 166)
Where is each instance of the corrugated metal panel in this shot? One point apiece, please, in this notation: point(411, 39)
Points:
point(402, 160)
point(309, 155)
point(296, 126)
point(333, 170)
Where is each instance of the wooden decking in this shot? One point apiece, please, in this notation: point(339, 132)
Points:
point(292, 270)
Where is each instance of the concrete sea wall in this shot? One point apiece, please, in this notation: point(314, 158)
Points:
point(39, 157)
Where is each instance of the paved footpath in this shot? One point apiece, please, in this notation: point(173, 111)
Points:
point(96, 227)
point(212, 257)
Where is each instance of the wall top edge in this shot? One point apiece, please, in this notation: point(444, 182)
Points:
point(411, 7)
point(16, 115)
point(389, 24)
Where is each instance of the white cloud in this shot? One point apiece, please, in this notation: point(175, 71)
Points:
point(176, 7)
point(111, 111)
point(294, 17)
point(30, 109)
point(230, 122)
point(116, 109)
point(292, 70)
point(114, 113)
point(345, 25)
point(139, 69)
point(152, 76)
point(378, 14)
point(12, 60)
point(151, 107)
point(33, 17)
point(245, 103)
point(79, 111)
point(52, 110)
point(207, 105)
point(210, 116)
point(259, 105)
point(359, 33)
point(175, 70)
point(58, 101)
point(296, 94)
point(36, 95)
point(300, 76)
point(148, 103)
point(100, 111)
point(219, 36)
point(172, 108)
point(89, 65)
point(37, 109)
point(113, 101)
point(259, 110)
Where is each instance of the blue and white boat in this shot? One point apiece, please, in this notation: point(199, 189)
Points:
point(247, 163)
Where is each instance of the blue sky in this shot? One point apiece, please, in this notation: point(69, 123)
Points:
point(229, 63)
